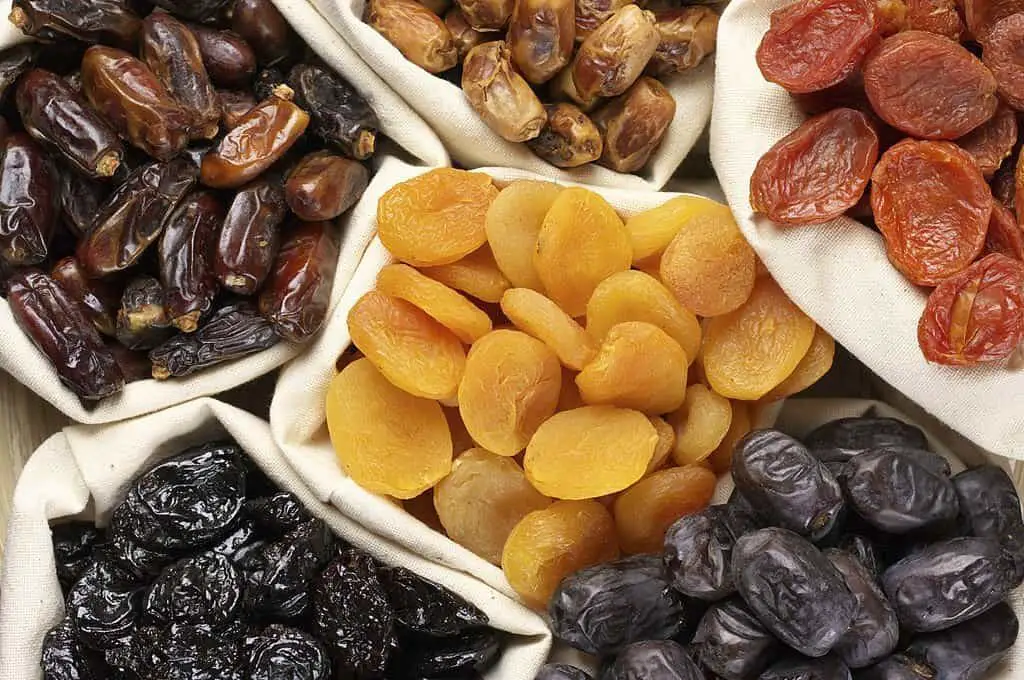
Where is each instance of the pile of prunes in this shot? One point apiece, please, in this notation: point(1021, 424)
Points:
point(208, 572)
point(852, 554)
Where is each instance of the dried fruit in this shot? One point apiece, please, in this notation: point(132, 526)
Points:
point(102, 21)
point(645, 511)
point(935, 16)
point(28, 201)
point(487, 15)
point(652, 230)
point(732, 643)
point(323, 186)
point(741, 423)
point(250, 238)
point(538, 316)
point(186, 269)
point(464, 36)
point(665, 659)
point(700, 425)
point(541, 37)
point(513, 223)
point(569, 139)
point(815, 364)
point(614, 55)
point(687, 37)
point(1004, 235)
point(666, 442)
point(992, 142)
point(982, 15)
point(340, 115)
point(229, 60)
point(501, 96)
point(477, 274)
point(263, 26)
point(418, 33)
point(142, 321)
point(452, 310)
point(99, 299)
point(592, 13)
point(634, 124)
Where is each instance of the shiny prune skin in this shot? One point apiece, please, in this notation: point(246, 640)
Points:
point(604, 608)
point(989, 504)
point(967, 651)
point(29, 198)
point(251, 237)
point(278, 577)
point(731, 643)
point(283, 652)
point(698, 553)
point(899, 490)
point(949, 582)
point(424, 607)
point(186, 259)
point(278, 514)
point(340, 116)
point(828, 667)
point(786, 484)
point(141, 562)
point(73, 543)
point(561, 671)
point(896, 667)
point(473, 651)
point(64, 658)
point(142, 321)
point(793, 589)
point(874, 631)
point(234, 544)
point(842, 439)
point(656, 660)
point(96, 21)
point(205, 588)
point(104, 605)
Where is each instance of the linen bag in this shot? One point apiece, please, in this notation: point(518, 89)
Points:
point(20, 358)
point(85, 471)
point(472, 144)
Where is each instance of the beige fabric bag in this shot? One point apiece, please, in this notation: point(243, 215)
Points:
point(85, 471)
point(473, 144)
point(20, 358)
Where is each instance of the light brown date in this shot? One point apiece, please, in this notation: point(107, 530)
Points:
point(418, 33)
point(501, 97)
point(487, 15)
point(634, 124)
point(592, 13)
point(687, 37)
point(324, 185)
point(569, 140)
point(541, 37)
point(615, 54)
point(465, 36)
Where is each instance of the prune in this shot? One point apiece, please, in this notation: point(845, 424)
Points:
point(794, 590)
point(186, 249)
point(603, 609)
point(614, 55)
point(124, 552)
point(661, 659)
point(62, 332)
point(418, 33)
point(974, 316)
point(502, 98)
point(421, 606)
point(261, 25)
point(72, 550)
point(98, 21)
point(340, 115)
point(989, 504)
point(250, 237)
point(937, 230)
point(897, 667)
point(512, 223)
point(134, 216)
point(828, 667)
point(1001, 46)
point(687, 37)
point(948, 582)
point(1004, 235)
point(323, 186)
point(817, 172)
point(645, 511)
point(99, 299)
point(279, 651)
point(731, 643)
point(698, 553)
point(195, 10)
point(541, 36)
point(104, 605)
point(202, 589)
point(80, 200)
point(864, 550)
point(352, 616)
point(236, 545)
point(464, 36)
point(14, 62)
point(64, 658)
point(232, 332)
point(28, 201)
point(229, 60)
point(843, 438)
point(799, 53)
point(142, 321)
point(561, 671)
point(968, 650)
point(874, 631)
point(279, 585)
point(569, 139)
point(633, 125)
point(278, 514)
point(463, 656)
point(992, 142)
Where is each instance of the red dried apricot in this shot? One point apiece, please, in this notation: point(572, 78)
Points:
point(935, 16)
point(932, 206)
point(817, 172)
point(975, 316)
point(992, 142)
point(1003, 53)
point(981, 15)
point(1004, 234)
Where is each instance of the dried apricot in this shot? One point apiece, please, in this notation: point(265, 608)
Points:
point(1004, 234)
point(742, 422)
point(666, 442)
point(446, 306)
point(981, 15)
point(549, 544)
point(749, 352)
point(1002, 52)
point(411, 349)
point(976, 315)
point(645, 511)
point(992, 143)
point(929, 86)
point(513, 223)
point(700, 425)
point(636, 296)
point(581, 243)
point(811, 368)
point(800, 51)
point(483, 499)
point(652, 230)
point(511, 386)
point(638, 366)
point(540, 317)
point(932, 206)
point(612, 445)
point(709, 266)
point(435, 218)
point(817, 172)
point(476, 274)
point(935, 16)
point(387, 440)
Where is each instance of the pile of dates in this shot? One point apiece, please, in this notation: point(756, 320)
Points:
point(596, 63)
point(209, 572)
point(852, 554)
point(899, 99)
point(165, 204)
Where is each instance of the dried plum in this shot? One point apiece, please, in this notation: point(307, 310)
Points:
point(828, 667)
point(232, 545)
point(968, 650)
point(280, 652)
point(698, 551)
point(72, 550)
point(731, 643)
point(656, 660)
point(874, 631)
point(278, 578)
point(422, 606)
point(278, 514)
point(202, 589)
point(104, 605)
point(476, 650)
point(143, 563)
point(989, 505)
point(65, 659)
point(842, 439)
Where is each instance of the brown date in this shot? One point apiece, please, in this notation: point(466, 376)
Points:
point(194, 10)
point(260, 139)
point(186, 268)
point(59, 328)
point(231, 333)
point(99, 299)
point(298, 292)
point(465, 36)
point(570, 138)
point(130, 96)
point(28, 201)
point(96, 21)
point(142, 321)
point(438, 7)
point(15, 61)
point(134, 216)
point(542, 36)
point(615, 54)
point(261, 25)
point(418, 33)
point(340, 116)
point(60, 118)
point(501, 97)
point(250, 237)
point(687, 36)
point(228, 58)
point(323, 186)
point(592, 13)
point(486, 15)
point(171, 51)
point(634, 124)
point(234, 104)
point(562, 88)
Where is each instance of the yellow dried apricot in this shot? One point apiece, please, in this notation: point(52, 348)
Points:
point(589, 452)
point(636, 296)
point(483, 499)
point(410, 348)
point(645, 511)
point(709, 266)
point(387, 440)
point(750, 351)
point(700, 425)
point(467, 321)
point(549, 544)
point(539, 316)
point(666, 442)
point(721, 460)
point(511, 386)
point(638, 366)
point(513, 223)
point(435, 218)
point(811, 368)
point(652, 230)
point(476, 274)
point(581, 243)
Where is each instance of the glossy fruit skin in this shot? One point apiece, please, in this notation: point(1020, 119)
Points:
point(205, 588)
point(874, 632)
point(612, 57)
point(98, 299)
point(234, 104)
point(142, 321)
point(102, 21)
point(417, 32)
point(561, 671)
point(73, 543)
point(341, 117)
point(866, 552)
point(186, 269)
point(661, 659)
point(250, 238)
point(897, 667)
point(771, 562)
point(80, 200)
point(1004, 234)
point(195, 10)
point(828, 667)
point(688, 36)
point(844, 438)
point(542, 36)
point(64, 656)
point(502, 97)
point(967, 651)
point(422, 606)
point(278, 575)
point(989, 505)
point(261, 24)
point(228, 58)
point(634, 124)
point(570, 138)
point(732, 643)
point(698, 552)
point(992, 142)
point(279, 649)
point(104, 605)
point(28, 201)
point(1001, 45)
point(323, 186)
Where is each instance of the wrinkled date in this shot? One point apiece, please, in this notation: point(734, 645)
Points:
point(229, 60)
point(96, 21)
point(340, 116)
point(634, 124)
point(970, 649)
point(250, 237)
point(80, 200)
point(499, 95)
point(202, 589)
point(989, 504)
point(104, 605)
point(142, 321)
point(186, 267)
point(28, 202)
point(842, 439)
point(570, 138)
point(417, 32)
point(323, 186)
point(698, 553)
point(688, 36)
point(99, 299)
point(542, 36)
point(874, 631)
point(15, 61)
point(828, 667)
point(615, 54)
point(662, 659)
point(732, 643)
point(261, 25)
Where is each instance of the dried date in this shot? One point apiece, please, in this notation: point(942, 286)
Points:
point(612, 57)
point(96, 21)
point(261, 25)
point(98, 299)
point(570, 138)
point(339, 115)
point(661, 659)
point(843, 438)
point(234, 104)
point(14, 62)
point(416, 32)
point(698, 553)
point(967, 651)
point(28, 201)
point(250, 237)
point(228, 58)
point(464, 36)
point(186, 266)
point(874, 632)
point(134, 364)
point(989, 504)
point(80, 200)
point(541, 37)
point(142, 321)
point(499, 95)
point(828, 667)
point(323, 185)
point(196, 10)
point(633, 125)
point(731, 643)
point(687, 37)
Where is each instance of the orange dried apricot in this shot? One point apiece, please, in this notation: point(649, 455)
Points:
point(666, 442)
point(700, 425)
point(811, 368)
point(513, 223)
point(645, 511)
point(476, 274)
point(742, 422)
point(651, 231)
point(444, 304)
point(539, 316)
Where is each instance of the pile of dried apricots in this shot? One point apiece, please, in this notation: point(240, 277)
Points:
point(900, 101)
point(550, 384)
